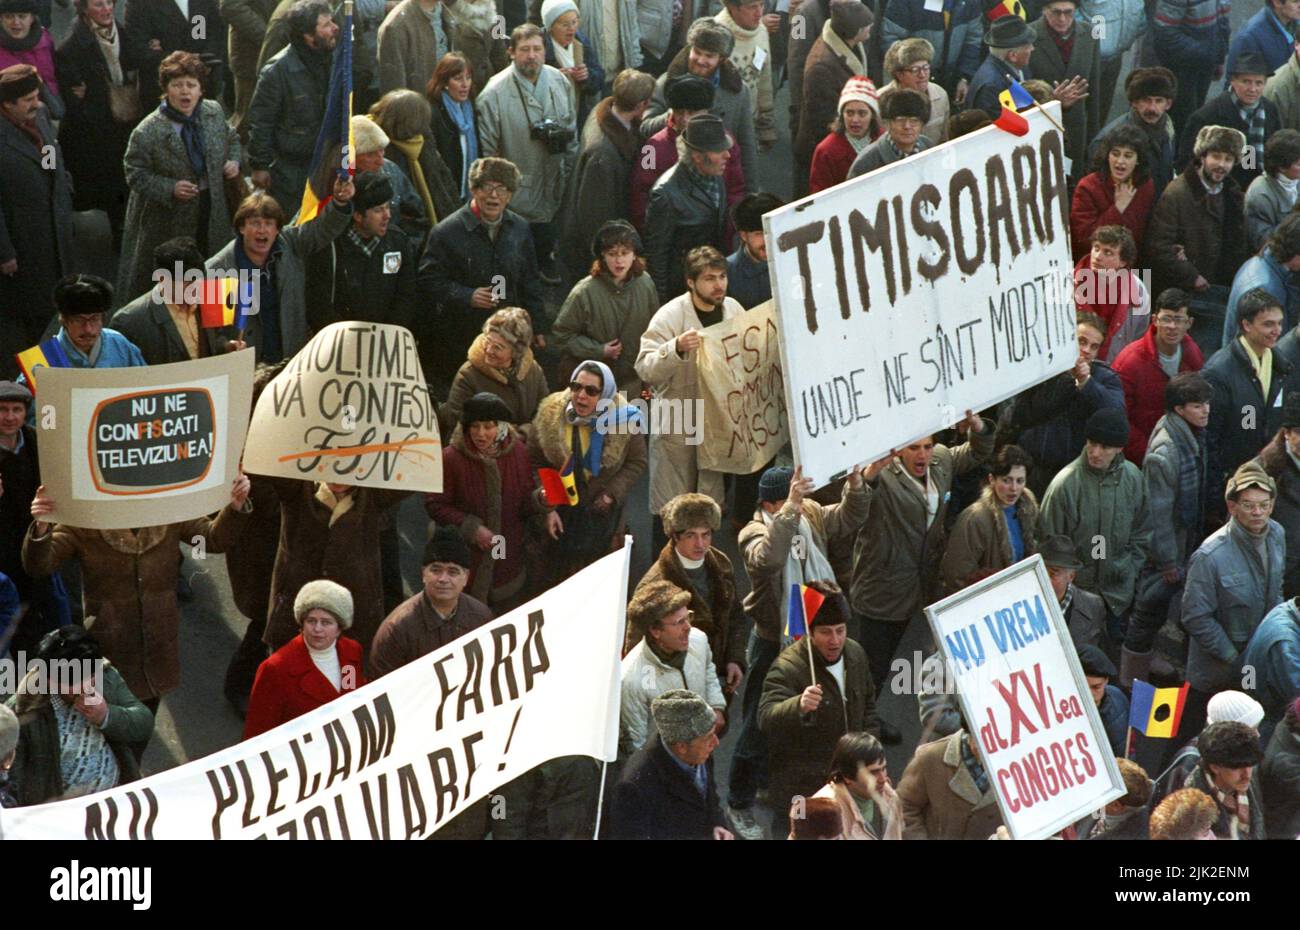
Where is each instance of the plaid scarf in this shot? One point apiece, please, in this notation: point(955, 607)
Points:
point(1191, 478)
point(973, 766)
point(367, 246)
point(1254, 120)
point(1239, 806)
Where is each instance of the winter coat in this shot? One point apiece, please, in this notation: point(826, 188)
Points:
point(1227, 594)
point(731, 104)
point(250, 573)
point(287, 266)
point(1144, 383)
point(414, 629)
point(1279, 782)
point(1082, 120)
point(115, 351)
point(289, 684)
point(1264, 35)
point(882, 152)
point(980, 542)
point(655, 25)
point(175, 32)
point(897, 556)
point(443, 187)
point(829, 66)
point(746, 48)
point(446, 137)
point(40, 56)
point(284, 119)
point(852, 826)
point(506, 113)
point(1222, 111)
point(672, 377)
point(521, 390)
point(1237, 391)
point(765, 550)
point(346, 552)
point(831, 160)
point(956, 34)
point(248, 20)
point(1160, 151)
point(1286, 507)
point(599, 190)
point(659, 153)
point(1093, 205)
point(1266, 272)
point(1120, 22)
point(1274, 653)
point(591, 20)
point(814, 14)
point(1283, 88)
point(460, 256)
point(1113, 712)
point(645, 676)
point(683, 214)
point(598, 311)
point(940, 798)
point(748, 280)
point(129, 588)
point(1086, 618)
point(989, 80)
point(1222, 827)
point(1173, 537)
point(1213, 240)
point(800, 745)
point(155, 160)
point(408, 47)
point(93, 142)
point(622, 461)
point(478, 37)
point(1121, 301)
point(656, 799)
point(719, 617)
point(343, 283)
point(1191, 35)
point(37, 771)
point(499, 493)
point(35, 226)
point(148, 323)
point(1266, 206)
point(1109, 507)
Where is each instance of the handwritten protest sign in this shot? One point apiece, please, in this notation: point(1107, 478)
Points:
point(400, 757)
point(351, 407)
point(130, 447)
point(741, 382)
point(931, 286)
point(1024, 695)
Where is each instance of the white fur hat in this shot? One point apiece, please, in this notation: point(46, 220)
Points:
point(367, 136)
point(324, 594)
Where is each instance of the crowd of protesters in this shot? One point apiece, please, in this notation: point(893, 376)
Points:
point(568, 194)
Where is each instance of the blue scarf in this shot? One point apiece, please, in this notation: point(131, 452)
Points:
point(607, 418)
point(462, 114)
point(191, 136)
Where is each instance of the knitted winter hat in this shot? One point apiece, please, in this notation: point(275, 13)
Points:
point(446, 545)
point(1223, 139)
point(708, 35)
point(1229, 744)
point(1249, 475)
point(1234, 706)
point(18, 81)
point(653, 601)
point(514, 325)
point(367, 136)
point(681, 716)
point(323, 594)
point(484, 407)
point(1150, 82)
point(1108, 426)
point(554, 9)
point(903, 101)
point(849, 17)
point(688, 511)
point(774, 484)
point(859, 88)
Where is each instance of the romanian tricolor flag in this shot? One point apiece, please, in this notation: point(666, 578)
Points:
point(1011, 121)
point(49, 354)
point(804, 604)
point(1005, 8)
point(221, 305)
point(560, 487)
point(333, 156)
point(1016, 97)
point(1156, 711)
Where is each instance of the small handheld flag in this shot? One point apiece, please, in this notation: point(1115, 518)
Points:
point(1156, 711)
point(49, 354)
point(1011, 121)
point(552, 487)
point(804, 604)
point(1016, 97)
point(220, 306)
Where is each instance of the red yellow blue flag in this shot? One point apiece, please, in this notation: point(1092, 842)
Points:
point(1156, 711)
point(804, 604)
point(333, 156)
point(49, 354)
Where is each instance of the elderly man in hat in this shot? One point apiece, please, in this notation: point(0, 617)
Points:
point(904, 112)
point(691, 561)
point(669, 650)
point(667, 791)
point(367, 274)
point(1242, 106)
point(708, 43)
point(688, 204)
point(687, 97)
point(1150, 93)
point(1099, 501)
point(1084, 612)
point(369, 142)
point(35, 214)
point(1233, 580)
point(910, 62)
point(1011, 43)
point(1229, 754)
point(1067, 49)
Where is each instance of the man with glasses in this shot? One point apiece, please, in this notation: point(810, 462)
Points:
point(1233, 580)
point(904, 113)
point(1145, 367)
point(82, 301)
point(1066, 50)
point(908, 62)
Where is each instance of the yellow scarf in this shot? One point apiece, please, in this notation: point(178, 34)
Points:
point(412, 148)
point(1263, 367)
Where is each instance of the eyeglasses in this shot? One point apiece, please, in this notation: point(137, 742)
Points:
point(577, 387)
point(1255, 506)
point(493, 190)
point(922, 68)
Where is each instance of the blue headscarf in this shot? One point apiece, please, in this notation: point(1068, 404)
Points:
point(606, 418)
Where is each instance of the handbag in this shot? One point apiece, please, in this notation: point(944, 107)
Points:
point(124, 100)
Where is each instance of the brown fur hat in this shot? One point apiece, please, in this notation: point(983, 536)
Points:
point(652, 602)
point(687, 511)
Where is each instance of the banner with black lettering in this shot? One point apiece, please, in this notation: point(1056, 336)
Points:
point(937, 284)
point(403, 755)
point(741, 383)
point(128, 447)
point(1026, 700)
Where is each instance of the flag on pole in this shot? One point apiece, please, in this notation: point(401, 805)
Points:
point(1011, 121)
point(1156, 711)
point(804, 604)
point(1016, 97)
point(333, 156)
point(49, 354)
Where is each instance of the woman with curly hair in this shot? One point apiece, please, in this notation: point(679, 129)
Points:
point(1119, 192)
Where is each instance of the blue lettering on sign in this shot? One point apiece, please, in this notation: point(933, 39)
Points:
point(1015, 627)
point(964, 646)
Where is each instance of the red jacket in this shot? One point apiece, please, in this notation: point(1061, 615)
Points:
point(289, 685)
point(662, 149)
point(831, 161)
point(1144, 387)
point(1094, 206)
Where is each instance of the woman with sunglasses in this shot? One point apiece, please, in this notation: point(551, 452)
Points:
point(500, 362)
point(592, 424)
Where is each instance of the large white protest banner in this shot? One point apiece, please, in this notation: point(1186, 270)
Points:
point(128, 447)
point(745, 418)
point(1024, 695)
point(937, 284)
point(352, 407)
point(403, 755)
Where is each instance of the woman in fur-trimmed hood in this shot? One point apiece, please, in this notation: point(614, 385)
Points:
point(500, 361)
point(591, 422)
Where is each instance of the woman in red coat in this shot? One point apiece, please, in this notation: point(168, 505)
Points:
point(856, 127)
point(312, 669)
point(1119, 192)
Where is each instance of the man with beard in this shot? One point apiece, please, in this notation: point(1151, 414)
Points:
point(1150, 92)
point(288, 104)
